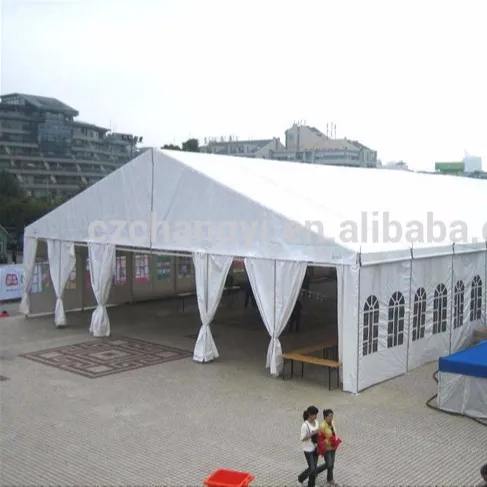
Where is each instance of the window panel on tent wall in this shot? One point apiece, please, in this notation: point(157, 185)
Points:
point(384, 321)
point(468, 297)
point(431, 309)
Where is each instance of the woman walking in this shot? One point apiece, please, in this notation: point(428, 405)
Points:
point(331, 443)
point(309, 438)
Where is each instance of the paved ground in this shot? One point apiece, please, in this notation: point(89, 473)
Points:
point(175, 422)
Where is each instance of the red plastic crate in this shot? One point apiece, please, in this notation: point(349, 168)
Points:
point(228, 478)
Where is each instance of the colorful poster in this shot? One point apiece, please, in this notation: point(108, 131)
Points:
point(46, 276)
point(71, 284)
point(238, 265)
point(11, 282)
point(120, 275)
point(141, 268)
point(184, 266)
point(87, 273)
point(163, 267)
point(36, 279)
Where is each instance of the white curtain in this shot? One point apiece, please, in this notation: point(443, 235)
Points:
point(348, 278)
point(62, 261)
point(30, 251)
point(210, 273)
point(102, 268)
point(276, 286)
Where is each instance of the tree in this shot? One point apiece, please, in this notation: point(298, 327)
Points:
point(191, 145)
point(171, 147)
point(9, 186)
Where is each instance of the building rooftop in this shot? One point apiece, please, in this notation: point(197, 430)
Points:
point(43, 103)
point(80, 123)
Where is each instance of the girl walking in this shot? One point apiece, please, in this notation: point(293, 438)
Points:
point(309, 438)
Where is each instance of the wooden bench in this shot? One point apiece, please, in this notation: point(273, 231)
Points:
point(323, 347)
point(298, 357)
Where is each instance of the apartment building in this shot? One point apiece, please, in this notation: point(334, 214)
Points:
point(303, 144)
point(243, 148)
point(52, 154)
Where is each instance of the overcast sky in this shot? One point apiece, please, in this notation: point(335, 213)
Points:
point(407, 78)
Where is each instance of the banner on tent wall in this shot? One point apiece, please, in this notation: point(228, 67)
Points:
point(71, 284)
point(141, 265)
point(11, 282)
point(41, 279)
point(163, 268)
point(184, 266)
point(120, 274)
point(87, 273)
point(238, 266)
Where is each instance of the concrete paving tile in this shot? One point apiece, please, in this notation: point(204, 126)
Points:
point(176, 422)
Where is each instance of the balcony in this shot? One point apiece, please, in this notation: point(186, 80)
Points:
point(17, 157)
point(13, 131)
point(9, 143)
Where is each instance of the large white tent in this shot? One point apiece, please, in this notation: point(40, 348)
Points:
point(409, 248)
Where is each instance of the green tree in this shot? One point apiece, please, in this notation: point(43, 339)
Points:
point(191, 145)
point(9, 186)
point(171, 147)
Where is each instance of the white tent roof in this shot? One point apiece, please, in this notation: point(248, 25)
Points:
point(265, 200)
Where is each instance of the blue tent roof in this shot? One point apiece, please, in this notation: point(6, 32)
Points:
point(472, 361)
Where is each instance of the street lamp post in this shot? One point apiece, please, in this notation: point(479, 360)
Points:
point(133, 140)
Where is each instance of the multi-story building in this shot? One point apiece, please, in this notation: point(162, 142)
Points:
point(50, 152)
point(303, 144)
point(308, 144)
point(244, 148)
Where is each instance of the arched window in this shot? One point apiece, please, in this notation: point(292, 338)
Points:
point(440, 308)
point(476, 299)
point(458, 304)
point(395, 322)
point(371, 325)
point(419, 314)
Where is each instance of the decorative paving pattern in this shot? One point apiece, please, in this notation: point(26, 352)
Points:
point(3, 379)
point(102, 357)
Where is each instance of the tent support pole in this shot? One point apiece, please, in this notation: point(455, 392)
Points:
point(359, 311)
point(485, 285)
point(275, 297)
point(452, 295)
point(409, 313)
point(206, 295)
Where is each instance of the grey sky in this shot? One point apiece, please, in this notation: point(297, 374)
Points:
point(408, 78)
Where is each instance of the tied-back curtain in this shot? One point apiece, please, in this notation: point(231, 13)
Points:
point(62, 261)
point(102, 269)
point(210, 272)
point(30, 251)
point(276, 286)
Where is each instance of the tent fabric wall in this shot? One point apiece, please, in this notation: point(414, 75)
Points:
point(431, 290)
point(462, 394)
point(347, 313)
point(30, 251)
point(102, 268)
point(276, 286)
point(469, 278)
point(62, 261)
point(383, 324)
point(210, 272)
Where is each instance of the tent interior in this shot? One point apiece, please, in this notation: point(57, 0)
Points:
point(168, 283)
point(392, 306)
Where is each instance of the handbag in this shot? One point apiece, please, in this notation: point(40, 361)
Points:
point(314, 438)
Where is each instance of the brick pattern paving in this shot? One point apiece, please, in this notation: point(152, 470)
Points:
point(99, 358)
point(175, 424)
